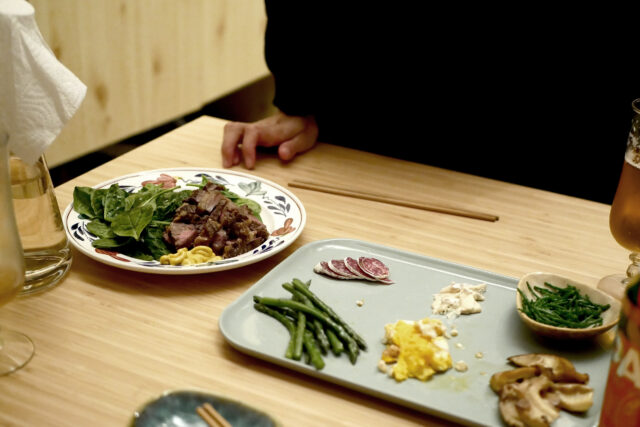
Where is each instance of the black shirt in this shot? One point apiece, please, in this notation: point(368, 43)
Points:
point(533, 98)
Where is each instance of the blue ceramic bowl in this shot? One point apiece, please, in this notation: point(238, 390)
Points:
point(178, 409)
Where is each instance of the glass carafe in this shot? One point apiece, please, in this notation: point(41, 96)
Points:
point(16, 349)
point(44, 242)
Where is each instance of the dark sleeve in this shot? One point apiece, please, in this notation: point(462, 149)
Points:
point(289, 52)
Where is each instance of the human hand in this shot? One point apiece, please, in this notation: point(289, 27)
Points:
point(292, 135)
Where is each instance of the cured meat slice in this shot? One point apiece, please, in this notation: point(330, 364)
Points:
point(350, 268)
point(385, 280)
point(373, 267)
point(352, 265)
point(338, 266)
point(323, 268)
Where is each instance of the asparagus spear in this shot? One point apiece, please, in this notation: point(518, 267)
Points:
point(336, 345)
point(300, 286)
point(352, 346)
point(299, 336)
point(285, 321)
point(313, 350)
point(319, 331)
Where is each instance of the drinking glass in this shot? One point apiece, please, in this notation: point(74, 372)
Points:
point(45, 247)
point(16, 349)
point(624, 218)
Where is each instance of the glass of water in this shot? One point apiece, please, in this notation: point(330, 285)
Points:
point(44, 242)
point(16, 349)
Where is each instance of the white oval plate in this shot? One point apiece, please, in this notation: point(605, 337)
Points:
point(282, 213)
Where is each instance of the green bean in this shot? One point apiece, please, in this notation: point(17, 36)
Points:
point(285, 321)
point(300, 286)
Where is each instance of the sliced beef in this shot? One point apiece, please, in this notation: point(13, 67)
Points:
point(185, 213)
point(209, 218)
point(207, 233)
point(180, 234)
point(208, 201)
point(219, 240)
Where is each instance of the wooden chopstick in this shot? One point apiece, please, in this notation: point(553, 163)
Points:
point(325, 188)
point(211, 416)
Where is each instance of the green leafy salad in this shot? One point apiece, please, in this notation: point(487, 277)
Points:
point(133, 223)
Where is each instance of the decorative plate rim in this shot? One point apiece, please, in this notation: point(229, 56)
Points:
point(272, 246)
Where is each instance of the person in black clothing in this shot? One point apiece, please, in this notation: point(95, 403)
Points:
point(530, 98)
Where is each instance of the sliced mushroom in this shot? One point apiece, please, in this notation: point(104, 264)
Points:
point(573, 397)
point(509, 396)
point(525, 403)
point(534, 410)
point(499, 379)
point(556, 367)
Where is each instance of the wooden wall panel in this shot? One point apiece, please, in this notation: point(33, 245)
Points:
point(146, 62)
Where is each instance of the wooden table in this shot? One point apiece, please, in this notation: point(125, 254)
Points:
point(108, 340)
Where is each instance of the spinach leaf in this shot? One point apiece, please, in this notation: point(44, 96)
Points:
point(147, 194)
point(111, 243)
point(132, 223)
point(82, 201)
point(126, 246)
point(97, 202)
point(203, 181)
point(153, 241)
point(253, 206)
point(137, 250)
point(114, 202)
point(100, 228)
point(168, 203)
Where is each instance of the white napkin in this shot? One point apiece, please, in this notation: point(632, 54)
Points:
point(38, 94)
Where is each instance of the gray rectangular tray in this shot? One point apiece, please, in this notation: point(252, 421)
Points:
point(463, 397)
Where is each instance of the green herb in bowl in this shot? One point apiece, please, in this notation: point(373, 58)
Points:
point(562, 307)
point(559, 307)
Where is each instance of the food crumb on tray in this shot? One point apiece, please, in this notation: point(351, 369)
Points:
point(461, 366)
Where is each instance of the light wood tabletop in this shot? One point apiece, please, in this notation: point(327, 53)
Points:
point(109, 340)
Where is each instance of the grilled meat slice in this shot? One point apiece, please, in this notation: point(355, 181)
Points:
point(208, 218)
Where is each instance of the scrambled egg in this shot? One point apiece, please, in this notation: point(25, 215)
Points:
point(197, 255)
point(415, 349)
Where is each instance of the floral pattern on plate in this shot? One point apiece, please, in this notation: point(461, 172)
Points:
point(282, 213)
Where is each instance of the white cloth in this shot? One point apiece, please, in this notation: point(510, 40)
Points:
point(38, 94)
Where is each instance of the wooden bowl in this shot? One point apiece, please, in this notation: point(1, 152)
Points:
point(609, 317)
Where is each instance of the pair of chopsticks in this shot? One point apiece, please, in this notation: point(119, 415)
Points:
point(211, 416)
point(324, 188)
